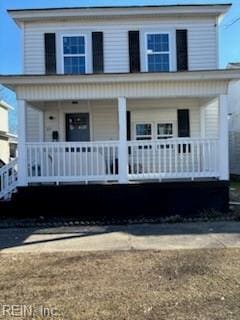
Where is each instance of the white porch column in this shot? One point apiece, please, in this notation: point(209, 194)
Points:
point(203, 121)
point(123, 154)
point(223, 138)
point(22, 159)
point(41, 126)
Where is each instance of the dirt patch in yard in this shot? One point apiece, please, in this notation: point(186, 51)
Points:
point(193, 284)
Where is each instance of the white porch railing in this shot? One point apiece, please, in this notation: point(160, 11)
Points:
point(173, 158)
point(72, 161)
point(8, 179)
point(99, 161)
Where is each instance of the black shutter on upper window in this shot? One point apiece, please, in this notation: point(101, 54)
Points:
point(50, 53)
point(134, 51)
point(97, 52)
point(183, 123)
point(182, 50)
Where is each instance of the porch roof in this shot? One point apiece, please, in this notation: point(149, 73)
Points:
point(218, 74)
point(206, 83)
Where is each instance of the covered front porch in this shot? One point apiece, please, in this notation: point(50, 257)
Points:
point(124, 140)
point(122, 128)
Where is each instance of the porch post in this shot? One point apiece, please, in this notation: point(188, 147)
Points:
point(123, 155)
point(223, 138)
point(41, 126)
point(202, 119)
point(22, 159)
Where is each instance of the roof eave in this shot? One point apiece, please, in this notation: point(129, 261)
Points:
point(57, 13)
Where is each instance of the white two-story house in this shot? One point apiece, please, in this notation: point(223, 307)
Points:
point(122, 95)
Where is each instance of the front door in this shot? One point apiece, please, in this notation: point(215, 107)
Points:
point(77, 127)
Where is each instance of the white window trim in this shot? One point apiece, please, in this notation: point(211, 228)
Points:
point(154, 135)
point(74, 55)
point(167, 135)
point(143, 122)
point(160, 52)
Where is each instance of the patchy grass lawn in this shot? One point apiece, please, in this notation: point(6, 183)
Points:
point(193, 284)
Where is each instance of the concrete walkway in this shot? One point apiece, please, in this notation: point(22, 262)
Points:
point(131, 237)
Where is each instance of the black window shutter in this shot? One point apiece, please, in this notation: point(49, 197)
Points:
point(183, 123)
point(50, 53)
point(128, 125)
point(134, 51)
point(184, 129)
point(97, 52)
point(182, 50)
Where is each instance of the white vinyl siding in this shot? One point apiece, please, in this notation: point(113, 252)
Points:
point(33, 130)
point(104, 117)
point(116, 56)
point(160, 111)
point(202, 40)
point(34, 59)
point(105, 122)
point(211, 120)
point(202, 53)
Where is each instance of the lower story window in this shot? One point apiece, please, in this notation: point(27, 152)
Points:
point(143, 131)
point(154, 130)
point(164, 130)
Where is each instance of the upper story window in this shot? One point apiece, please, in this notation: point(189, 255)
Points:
point(74, 54)
point(158, 52)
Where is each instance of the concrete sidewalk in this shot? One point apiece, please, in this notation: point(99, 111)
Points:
point(130, 237)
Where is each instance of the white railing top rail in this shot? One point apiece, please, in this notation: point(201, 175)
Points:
point(8, 178)
point(8, 166)
point(171, 140)
point(75, 143)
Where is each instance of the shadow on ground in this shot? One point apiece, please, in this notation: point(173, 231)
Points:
point(15, 237)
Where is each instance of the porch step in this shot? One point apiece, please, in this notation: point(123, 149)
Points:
point(118, 201)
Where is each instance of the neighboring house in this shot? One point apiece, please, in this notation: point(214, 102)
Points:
point(234, 123)
point(6, 139)
point(122, 95)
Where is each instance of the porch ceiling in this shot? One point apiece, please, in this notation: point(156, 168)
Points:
point(132, 103)
point(111, 86)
